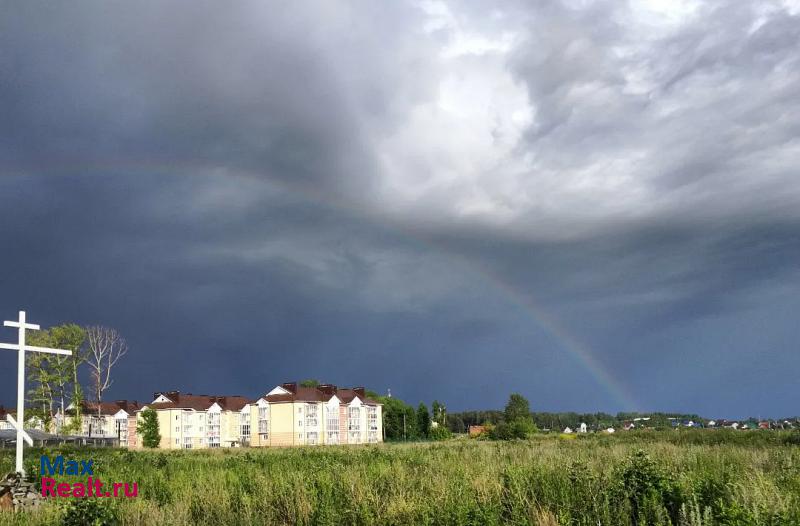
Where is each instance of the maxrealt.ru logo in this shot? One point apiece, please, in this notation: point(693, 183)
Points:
point(93, 487)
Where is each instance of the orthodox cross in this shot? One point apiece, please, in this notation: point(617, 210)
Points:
point(21, 348)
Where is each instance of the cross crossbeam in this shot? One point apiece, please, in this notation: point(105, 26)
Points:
point(22, 325)
point(33, 348)
point(18, 427)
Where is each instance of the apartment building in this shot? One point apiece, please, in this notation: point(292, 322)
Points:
point(112, 420)
point(191, 421)
point(292, 415)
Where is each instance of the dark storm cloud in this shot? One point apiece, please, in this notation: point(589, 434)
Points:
point(391, 194)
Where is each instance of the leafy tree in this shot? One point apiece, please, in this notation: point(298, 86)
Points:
point(518, 422)
point(54, 376)
point(517, 408)
point(71, 337)
point(309, 383)
point(399, 419)
point(412, 428)
point(40, 379)
point(147, 428)
point(455, 423)
point(423, 420)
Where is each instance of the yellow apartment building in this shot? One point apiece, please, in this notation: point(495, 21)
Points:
point(189, 421)
point(292, 415)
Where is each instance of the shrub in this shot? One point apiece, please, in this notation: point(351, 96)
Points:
point(439, 433)
point(519, 429)
point(649, 490)
point(88, 512)
point(793, 438)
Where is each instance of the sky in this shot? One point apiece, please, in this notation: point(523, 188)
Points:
point(595, 204)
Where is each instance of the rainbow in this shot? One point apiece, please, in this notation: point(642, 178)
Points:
point(568, 342)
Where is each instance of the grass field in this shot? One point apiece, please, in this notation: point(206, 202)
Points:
point(686, 477)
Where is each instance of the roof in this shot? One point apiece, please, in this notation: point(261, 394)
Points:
point(110, 408)
point(199, 402)
point(321, 393)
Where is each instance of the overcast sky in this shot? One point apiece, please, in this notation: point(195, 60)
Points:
point(593, 203)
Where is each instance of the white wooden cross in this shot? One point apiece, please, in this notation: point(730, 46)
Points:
point(21, 348)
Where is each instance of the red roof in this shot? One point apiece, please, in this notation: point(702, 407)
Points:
point(321, 393)
point(199, 402)
point(110, 408)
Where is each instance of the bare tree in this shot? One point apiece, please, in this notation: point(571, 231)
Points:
point(106, 347)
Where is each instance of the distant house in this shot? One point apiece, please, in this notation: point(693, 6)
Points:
point(567, 430)
point(476, 430)
point(31, 422)
point(763, 425)
point(582, 428)
point(4, 423)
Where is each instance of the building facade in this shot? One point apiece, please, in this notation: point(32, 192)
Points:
point(292, 415)
point(106, 420)
point(188, 421)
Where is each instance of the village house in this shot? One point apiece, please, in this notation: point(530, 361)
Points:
point(475, 431)
point(291, 415)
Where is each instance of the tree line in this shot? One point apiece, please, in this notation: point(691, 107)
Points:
point(460, 422)
point(55, 380)
point(402, 421)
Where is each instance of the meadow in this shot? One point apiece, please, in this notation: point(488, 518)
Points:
point(670, 477)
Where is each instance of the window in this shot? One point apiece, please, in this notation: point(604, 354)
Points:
point(354, 423)
point(121, 430)
point(213, 429)
point(177, 441)
point(244, 428)
point(263, 422)
point(332, 425)
point(372, 418)
point(187, 443)
point(311, 415)
point(311, 438)
point(354, 419)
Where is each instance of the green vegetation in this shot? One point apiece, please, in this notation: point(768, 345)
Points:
point(686, 477)
point(423, 420)
point(147, 428)
point(517, 421)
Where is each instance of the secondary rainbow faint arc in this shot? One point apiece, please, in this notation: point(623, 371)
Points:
point(540, 315)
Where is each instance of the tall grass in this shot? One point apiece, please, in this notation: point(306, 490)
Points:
point(695, 478)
